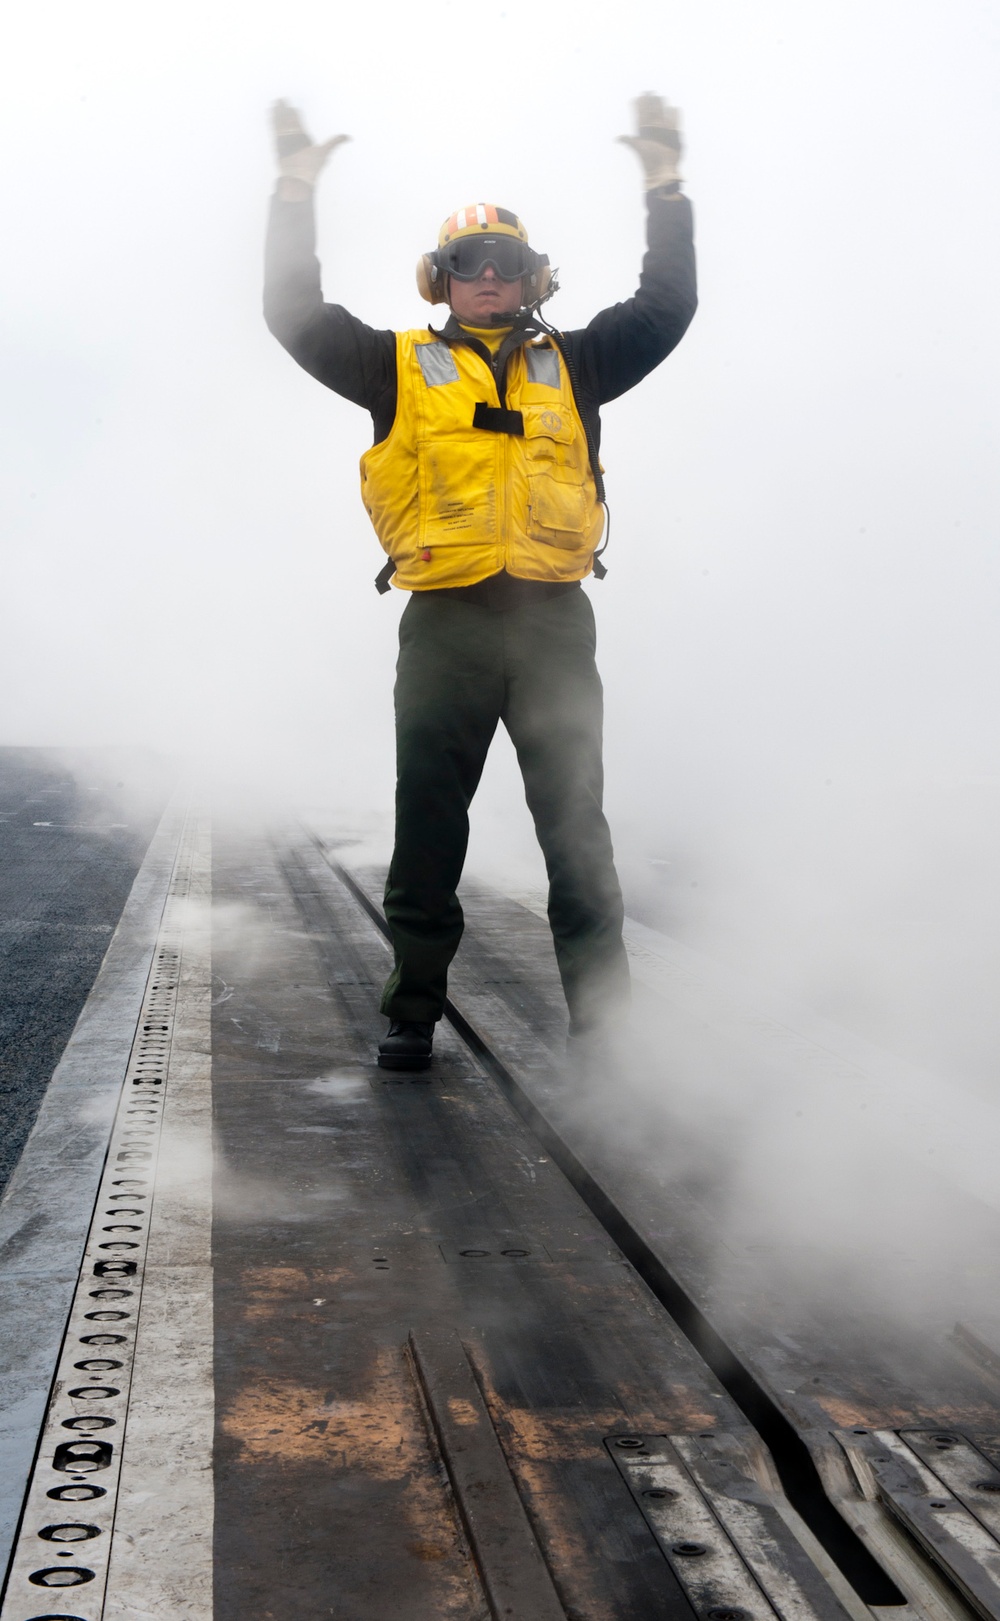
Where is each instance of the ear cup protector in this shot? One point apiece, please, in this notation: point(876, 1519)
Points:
point(431, 285)
point(537, 283)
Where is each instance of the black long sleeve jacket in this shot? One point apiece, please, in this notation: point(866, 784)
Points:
point(608, 356)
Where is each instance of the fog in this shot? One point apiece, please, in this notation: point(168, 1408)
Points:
point(797, 633)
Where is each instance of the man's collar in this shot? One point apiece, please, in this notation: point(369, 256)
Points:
point(512, 337)
point(454, 328)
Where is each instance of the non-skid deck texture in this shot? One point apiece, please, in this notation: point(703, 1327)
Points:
point(359, 1215)
point(72, 838)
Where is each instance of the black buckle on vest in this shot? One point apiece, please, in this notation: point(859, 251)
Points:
point(497, 420)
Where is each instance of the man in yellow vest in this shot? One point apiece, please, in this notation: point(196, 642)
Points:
point(485, 490)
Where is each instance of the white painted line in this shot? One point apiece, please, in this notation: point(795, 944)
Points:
point(161, 1555)
point(48, 1203)
point(118, 1518)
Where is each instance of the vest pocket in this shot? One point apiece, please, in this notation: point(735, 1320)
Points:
point(457, 480)
point(558, 508)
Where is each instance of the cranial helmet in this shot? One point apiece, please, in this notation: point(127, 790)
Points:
point(477, 236)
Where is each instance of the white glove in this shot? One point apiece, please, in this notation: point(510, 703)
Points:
point(299, 158)
point(658, 142)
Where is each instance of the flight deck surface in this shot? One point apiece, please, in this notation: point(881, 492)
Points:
point(287, 1335)
point(74, 825)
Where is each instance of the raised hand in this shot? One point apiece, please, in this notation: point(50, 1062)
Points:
point(299, 156)
point(657, 141)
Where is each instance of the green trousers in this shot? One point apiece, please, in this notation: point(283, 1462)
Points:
point(462, 668)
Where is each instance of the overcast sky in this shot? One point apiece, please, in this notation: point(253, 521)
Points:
point(798, 630)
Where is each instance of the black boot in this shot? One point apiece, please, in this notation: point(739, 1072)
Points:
point(408, 1045)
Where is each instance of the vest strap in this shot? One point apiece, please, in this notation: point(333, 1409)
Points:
point(496, 420)
point(383, 577)
point(599, 569)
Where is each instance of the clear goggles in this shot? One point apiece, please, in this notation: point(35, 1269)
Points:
point(467, 258)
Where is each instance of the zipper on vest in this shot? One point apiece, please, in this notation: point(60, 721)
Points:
point(504, 495)
point(508, 497)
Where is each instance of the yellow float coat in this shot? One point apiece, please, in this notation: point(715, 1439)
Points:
point(453, 504)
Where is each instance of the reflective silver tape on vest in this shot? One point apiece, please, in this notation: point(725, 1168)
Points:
point(543, 365)
point(437, 363)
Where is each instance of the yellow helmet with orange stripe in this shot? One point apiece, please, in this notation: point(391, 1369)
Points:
point(477, 218)
point(476, 236)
